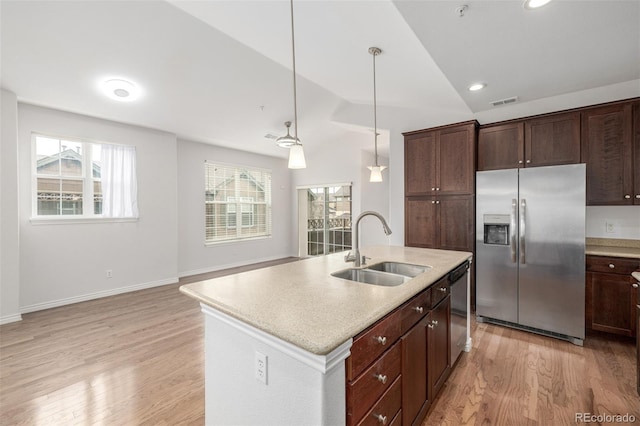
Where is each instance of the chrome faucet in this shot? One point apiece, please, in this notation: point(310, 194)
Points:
point(354, 255)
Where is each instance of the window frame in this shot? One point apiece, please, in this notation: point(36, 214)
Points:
point(241, 204)
point(88, 180)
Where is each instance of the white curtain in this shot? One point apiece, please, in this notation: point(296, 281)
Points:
point(119, 184)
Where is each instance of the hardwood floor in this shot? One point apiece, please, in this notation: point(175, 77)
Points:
point(137, 358)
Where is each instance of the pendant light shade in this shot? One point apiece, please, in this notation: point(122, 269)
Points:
point(376, 169)
point(296, 157)
point(296, 153)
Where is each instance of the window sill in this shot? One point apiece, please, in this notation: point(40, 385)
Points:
point(237, 240)
point(79, 220)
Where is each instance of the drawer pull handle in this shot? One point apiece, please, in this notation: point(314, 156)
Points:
point(419, 309)
point(382, 340)
point(381, 419)
point(443, 289)
point(611, 265)
point(634, 285)
point(381, 378)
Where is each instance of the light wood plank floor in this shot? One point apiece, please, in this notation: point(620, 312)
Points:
point(137, 358)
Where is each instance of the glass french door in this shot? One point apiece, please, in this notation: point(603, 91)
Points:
point(327, 214)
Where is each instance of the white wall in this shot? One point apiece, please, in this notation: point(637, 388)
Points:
point(194, 256)
point(66, 263)
point(9, 229)
point(625, 221)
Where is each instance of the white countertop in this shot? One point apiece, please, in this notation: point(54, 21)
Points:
point(301, 303)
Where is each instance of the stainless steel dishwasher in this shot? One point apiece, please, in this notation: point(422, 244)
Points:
point(458, 286)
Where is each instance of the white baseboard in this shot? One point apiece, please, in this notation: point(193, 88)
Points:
point(231, 265)
point(10, 318)
point(97, 295)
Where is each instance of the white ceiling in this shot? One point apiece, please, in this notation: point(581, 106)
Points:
point(220, 71)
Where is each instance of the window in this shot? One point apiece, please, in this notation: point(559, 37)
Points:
point(236, 195)
point(69, 176)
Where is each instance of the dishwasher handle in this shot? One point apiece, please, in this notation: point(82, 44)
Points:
point(459, 272)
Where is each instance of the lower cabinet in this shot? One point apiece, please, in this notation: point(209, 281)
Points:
point(611, 295)
point(398, 385)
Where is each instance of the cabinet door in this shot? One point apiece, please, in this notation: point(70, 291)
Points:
point(552, 140)
point(607, 150)
point(420, 164)
point(420, 222)
point(636, 153)
point(456, 160)
point(455, 222)
point(612, 300)
point(501, 147)
point(439, 344)
point(415, 383)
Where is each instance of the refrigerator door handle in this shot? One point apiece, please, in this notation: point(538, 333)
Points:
point(512, 236)
point(523, 217)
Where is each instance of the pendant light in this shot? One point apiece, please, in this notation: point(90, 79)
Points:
point(296, 153)
point(376, 169)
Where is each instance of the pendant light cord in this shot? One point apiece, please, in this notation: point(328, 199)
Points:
point(295, 97)
point(375, 114)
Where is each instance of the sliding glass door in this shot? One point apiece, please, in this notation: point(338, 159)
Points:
point(328, 219)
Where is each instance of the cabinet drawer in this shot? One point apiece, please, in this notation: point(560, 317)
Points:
point(439, 291)
point(414, 310)
point(370, 385)
point(612, 265)
point(370, 344)
point(386, 409)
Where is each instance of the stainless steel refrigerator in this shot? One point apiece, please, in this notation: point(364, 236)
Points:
point(530, 249)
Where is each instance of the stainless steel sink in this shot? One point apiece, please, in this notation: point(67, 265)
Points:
point(369, 276)
point(404, 269)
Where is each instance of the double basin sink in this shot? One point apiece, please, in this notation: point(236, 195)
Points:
point(384, 274)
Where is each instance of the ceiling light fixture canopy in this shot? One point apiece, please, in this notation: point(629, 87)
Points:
point(534, 4)
point(296, 153)
point(120, 90)
point(376, 169)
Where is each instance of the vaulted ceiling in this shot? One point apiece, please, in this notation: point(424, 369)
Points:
point(220, 71)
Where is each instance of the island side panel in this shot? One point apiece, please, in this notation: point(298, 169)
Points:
point(301, 388)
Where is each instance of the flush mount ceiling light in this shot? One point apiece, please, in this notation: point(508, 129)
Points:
point(120, 90)
point(534, 4)
point(296, 153)
point(376, 169)
point(477, 86)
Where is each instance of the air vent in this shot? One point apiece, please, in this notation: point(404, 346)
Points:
point(505, 101)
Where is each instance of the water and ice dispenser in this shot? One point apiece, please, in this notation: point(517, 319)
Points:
point(496, 229)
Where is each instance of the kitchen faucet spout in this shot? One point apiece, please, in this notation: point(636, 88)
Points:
point(354, 255)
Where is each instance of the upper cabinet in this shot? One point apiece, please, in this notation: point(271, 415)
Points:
point(636, 153)
point(542, 141)
point(440, 161)
point(607, 148)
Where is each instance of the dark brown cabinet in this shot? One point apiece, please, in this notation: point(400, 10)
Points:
point(542, 141)
point(611, 295)
point(636, 153)
point(416, 395)
point(440, 222)
point(439, 347)
point(607, 149)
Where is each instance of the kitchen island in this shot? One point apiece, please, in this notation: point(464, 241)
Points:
point(276, 338)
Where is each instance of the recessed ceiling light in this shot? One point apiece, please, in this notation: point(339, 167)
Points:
point(477, 86)
point(120, 90)
point(534, 4)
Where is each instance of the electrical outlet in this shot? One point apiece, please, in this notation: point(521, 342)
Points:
point(610, 227)
point(109, 273)
point(261, 367)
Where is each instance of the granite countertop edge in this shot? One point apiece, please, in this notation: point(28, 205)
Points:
point(613, 247)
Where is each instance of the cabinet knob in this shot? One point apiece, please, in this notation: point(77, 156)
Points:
point(638, 196)
point(433, 189)
point(443, 289)
point(528, 161)
point(381, 419)
point(437, 189)
point(433, 202)
point(627, 196)
point(438, 202)
point(382, 340)
point(430, 326)
point(381, 378)
point(519, 161)
point(419, 309)
point(435, 323)
point(611, 265)
point(634, 285)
